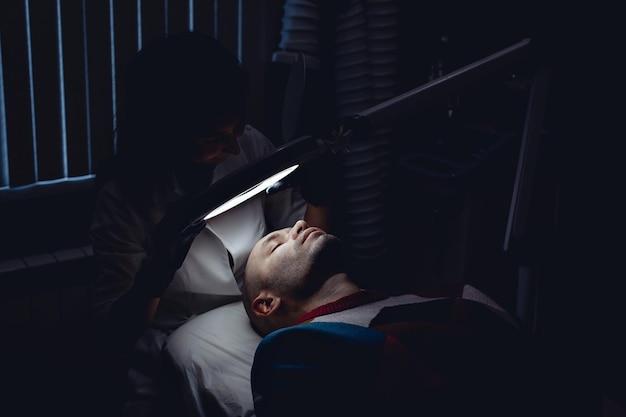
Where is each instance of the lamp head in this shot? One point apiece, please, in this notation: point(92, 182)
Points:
point(258, 176)
point(251, 192)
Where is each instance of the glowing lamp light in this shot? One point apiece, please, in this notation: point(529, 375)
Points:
point(257, 176)
point(251, 192)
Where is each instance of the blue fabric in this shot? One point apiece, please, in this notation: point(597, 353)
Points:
point(297, 366)
point(446, 357)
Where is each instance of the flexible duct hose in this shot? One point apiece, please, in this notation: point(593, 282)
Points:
point(365, 55)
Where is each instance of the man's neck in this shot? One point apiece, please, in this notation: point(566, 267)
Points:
point(334, 288)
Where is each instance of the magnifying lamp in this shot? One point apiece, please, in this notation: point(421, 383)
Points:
point(259, 175)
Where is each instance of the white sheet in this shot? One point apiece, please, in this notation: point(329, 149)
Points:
point(213, 354)
point(215, 374)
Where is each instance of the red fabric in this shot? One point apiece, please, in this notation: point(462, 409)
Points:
point(349, 301)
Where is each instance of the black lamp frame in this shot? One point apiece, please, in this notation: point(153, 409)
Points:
point(303, 149)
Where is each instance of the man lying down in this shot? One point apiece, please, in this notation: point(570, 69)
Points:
point(330, 348)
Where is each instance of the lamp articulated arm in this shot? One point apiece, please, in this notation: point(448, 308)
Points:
point(252, 178)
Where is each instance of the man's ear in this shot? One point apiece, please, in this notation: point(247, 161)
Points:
point(265, 304)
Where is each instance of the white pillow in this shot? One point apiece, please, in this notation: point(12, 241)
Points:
point(212, 355)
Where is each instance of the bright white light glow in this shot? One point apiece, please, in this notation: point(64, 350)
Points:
point(251, 192)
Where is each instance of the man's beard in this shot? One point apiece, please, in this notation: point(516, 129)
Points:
point(327, 262)
point(329, 259)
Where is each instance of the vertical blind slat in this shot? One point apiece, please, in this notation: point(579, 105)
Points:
point(255, 54)
point(99, 80)
point(4, 157)
point(227, 24)
point(152, 20)
point(47, 92)
point(17, 93)
point(75, 88)
point(69, 124)
point(178, 16)
point(125, 18)
point(203, 16)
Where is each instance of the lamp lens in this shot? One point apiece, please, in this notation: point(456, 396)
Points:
point(251, 192)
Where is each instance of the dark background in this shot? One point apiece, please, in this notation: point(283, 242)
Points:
point(574, 242)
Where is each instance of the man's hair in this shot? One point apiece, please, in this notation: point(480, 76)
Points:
point(249, 292)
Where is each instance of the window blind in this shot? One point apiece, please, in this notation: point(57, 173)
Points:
point(60, 74)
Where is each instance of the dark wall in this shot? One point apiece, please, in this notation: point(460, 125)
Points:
point(55, 222)
point(574, 241)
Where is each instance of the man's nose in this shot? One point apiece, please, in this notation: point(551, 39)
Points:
point(297, 228)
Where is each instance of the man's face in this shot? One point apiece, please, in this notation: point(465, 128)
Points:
point(295, 260)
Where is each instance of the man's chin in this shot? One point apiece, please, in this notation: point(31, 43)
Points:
point(330, 258)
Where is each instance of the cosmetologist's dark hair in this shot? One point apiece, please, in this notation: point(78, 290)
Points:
point(176, 89)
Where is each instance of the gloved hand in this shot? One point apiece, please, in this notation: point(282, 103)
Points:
point(172, 239)
point(320, 180)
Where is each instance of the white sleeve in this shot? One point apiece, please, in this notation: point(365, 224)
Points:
point(252, 145)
